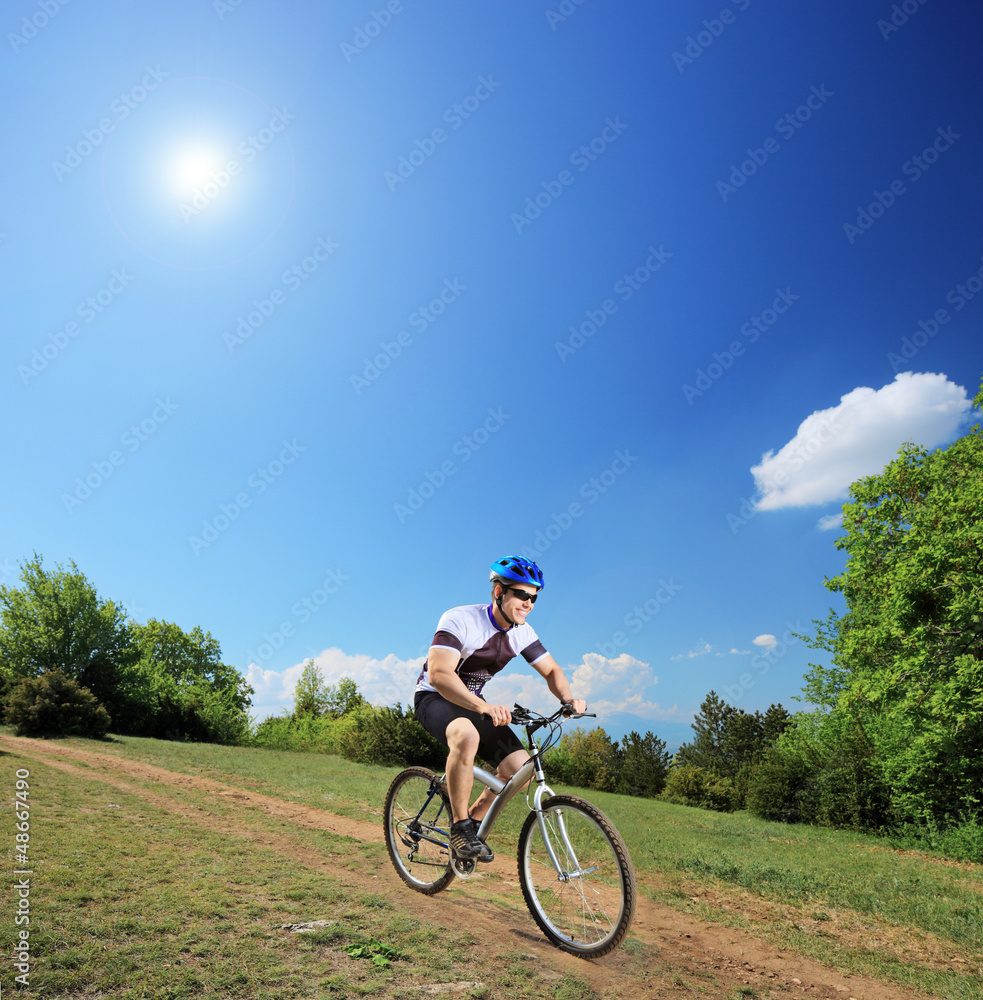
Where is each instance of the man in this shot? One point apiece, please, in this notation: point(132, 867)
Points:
point(472, 643)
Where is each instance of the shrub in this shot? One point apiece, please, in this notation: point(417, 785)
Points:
point(779, 787)
point(848, 792)
point(963, 840)
point(196, 712)
point(306, 734)
point(585, 759)
point(836, 784)
point(387, 736)
point(558, 764)
point(689, 785)
point(55, 705)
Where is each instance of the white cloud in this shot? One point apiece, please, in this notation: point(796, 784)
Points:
point(832, 448)
point(768, 641)
point(701, 649)
point(830, 521)
point(382, 682)
point(615, 685)
point(607, 685)
point(597, 675)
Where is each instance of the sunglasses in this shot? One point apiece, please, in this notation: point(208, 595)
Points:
point(522, 595)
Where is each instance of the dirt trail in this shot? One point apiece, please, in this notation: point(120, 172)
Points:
point(696, 951)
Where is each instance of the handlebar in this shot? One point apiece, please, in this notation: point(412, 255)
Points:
point(533, 720)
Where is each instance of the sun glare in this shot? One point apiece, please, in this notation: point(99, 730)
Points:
point(192, 168)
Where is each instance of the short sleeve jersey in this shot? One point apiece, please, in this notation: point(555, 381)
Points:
point(484, 648)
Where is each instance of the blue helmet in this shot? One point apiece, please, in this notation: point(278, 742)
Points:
point(517, 569)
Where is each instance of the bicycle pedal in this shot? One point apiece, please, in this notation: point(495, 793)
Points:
point(463, 868)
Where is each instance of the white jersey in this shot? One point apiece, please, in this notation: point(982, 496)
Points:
point(484, 648)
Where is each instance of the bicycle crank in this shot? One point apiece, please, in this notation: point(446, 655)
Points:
point(463, 868)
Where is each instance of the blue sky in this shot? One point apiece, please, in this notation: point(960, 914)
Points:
point(312, 311)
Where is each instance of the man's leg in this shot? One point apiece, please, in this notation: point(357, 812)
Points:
point(506, 769)
point(462, 743)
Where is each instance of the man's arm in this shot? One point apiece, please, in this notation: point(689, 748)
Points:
point(557, 682)
point(442, 668)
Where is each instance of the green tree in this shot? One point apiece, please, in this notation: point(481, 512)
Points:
point(55, 705)
point(729, 739)
point(643, 765)
point(343, 698)
point(56, 621)
point(587, 759)
point(311, 696)
point(315, 698)
point(710, 725)
point(185, 690)
point(906, 677)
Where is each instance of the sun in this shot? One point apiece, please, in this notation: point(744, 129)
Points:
point(193, 167)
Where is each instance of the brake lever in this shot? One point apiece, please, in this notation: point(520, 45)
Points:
point(566, 708)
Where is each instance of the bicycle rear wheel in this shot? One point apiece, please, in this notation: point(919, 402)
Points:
point(588, 906)
point(418, 821)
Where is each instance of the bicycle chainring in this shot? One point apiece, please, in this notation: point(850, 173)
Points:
point(464, 868)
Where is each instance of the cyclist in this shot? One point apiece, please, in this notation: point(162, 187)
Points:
point(473, 643)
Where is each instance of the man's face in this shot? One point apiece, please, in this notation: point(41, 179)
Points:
point(515, 605)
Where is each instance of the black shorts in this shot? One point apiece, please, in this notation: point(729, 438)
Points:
point(436, 713)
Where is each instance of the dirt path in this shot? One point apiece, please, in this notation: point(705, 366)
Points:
point(696, 951)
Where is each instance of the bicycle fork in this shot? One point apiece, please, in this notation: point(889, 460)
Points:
point(563, 873)
point(505, 790)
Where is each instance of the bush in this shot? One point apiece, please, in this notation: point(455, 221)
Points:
point(833, 781)
point(689, 785)
point(962, 840)
point(304, 734)
point(163, 709)
point(779, 788)
point(55, 705)
point(848, 792)
point(585, 759)
point(387, 736)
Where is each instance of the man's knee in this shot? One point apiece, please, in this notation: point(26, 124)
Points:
point(511, 764)
point(462, 737)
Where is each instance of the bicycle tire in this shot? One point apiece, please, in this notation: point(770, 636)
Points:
point(590, 913)
point(421, 855)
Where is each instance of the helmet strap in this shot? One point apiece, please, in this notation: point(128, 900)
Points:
point(498, 604)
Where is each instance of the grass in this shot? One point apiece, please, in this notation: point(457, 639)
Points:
point(814, 867)
point(804, 875)
point(131, 901)
point(843, 898)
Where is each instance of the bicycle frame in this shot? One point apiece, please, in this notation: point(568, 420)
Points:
point(506, 790)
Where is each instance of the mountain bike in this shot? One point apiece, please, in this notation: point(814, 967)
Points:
point(574, 869)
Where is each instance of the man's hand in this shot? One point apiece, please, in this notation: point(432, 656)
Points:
point(577, 706)
point(499, 714)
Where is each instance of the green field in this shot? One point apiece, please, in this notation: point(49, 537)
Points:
point(133, 898)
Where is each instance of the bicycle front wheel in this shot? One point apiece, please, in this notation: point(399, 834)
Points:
point(587, 906)
point(418, 822)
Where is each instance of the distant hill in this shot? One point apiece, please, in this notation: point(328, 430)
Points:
point(618, 724)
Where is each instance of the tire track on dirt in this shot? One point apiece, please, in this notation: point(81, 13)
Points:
point(672, 943)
